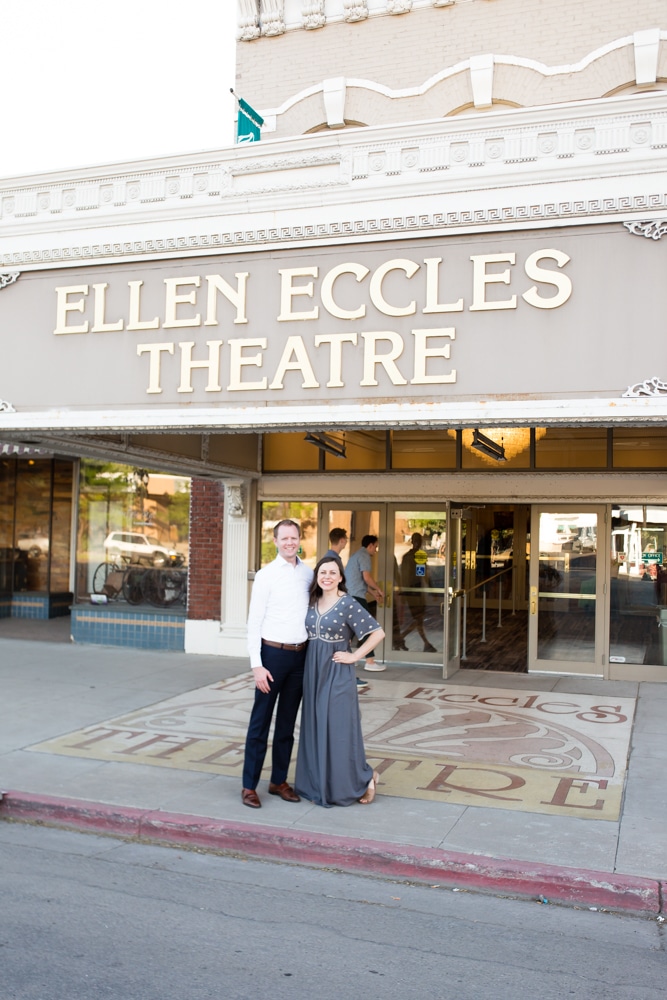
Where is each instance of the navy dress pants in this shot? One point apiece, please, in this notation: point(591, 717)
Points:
point(286, 667)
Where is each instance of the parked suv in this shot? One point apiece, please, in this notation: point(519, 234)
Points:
point(132, 547)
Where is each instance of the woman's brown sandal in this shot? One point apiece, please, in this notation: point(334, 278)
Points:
point(369, 794)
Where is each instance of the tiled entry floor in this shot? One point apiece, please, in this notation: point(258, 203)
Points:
point(532, 751)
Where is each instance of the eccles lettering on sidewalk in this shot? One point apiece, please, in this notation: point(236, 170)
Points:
point(563, 754)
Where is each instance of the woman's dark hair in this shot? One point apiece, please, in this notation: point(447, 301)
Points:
point(315, 589)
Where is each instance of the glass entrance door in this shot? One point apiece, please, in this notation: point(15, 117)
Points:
point(566, 621)
point(410, 568)
point(416, 568)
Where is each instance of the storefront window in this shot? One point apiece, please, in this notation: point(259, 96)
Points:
point(33, 525)
point(423, 450)
point(571, 448)
point(289, 453)
point(365, 451)
point(303, 514)
point(7, 487)
point(132, 542)
point(640, 448)
point(638, 613)
point(483, 448)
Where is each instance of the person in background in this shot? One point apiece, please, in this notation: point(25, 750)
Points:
point(337, 542)
point(413, 596)
point(331, 765)
point(277, 640)
point(360, 582)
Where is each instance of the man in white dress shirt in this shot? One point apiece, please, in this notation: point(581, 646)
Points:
point(277, 640)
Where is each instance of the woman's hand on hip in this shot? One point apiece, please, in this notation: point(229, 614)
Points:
point(342, 656)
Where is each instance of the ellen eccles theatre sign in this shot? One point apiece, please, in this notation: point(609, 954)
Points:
point(552, 313)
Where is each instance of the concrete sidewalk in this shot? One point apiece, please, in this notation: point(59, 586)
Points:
point(54, 688)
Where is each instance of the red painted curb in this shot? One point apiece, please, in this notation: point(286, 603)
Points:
point(448, 869)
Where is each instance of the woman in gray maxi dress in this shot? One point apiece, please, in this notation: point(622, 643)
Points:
point(331, 767)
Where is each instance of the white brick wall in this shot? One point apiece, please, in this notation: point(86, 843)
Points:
point(403, 52)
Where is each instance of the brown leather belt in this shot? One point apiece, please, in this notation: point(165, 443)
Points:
point(295, 647)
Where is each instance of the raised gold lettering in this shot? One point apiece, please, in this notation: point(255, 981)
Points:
point(481, 278)
point(295, 347)
point(372, 358)
point(63, 307)
point(174, 299)
point(326, 291)
point(134, 323)
point(237, 361)
point(432, 285)
point(212, 365)
point(546, 276)
point(288, 291)
point(155, 352)
point(99, 324)
point(237, 297)
point(423, 352)
point(336, 341)
point(376, 294)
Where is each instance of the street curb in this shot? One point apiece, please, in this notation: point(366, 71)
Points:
point(446, 869)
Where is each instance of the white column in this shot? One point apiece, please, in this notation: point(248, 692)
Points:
point(233, 630)
point(228, 637)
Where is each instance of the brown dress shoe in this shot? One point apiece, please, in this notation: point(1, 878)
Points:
point(249, 797)
point(285, 792)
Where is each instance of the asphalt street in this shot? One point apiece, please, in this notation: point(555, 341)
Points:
point(86, 916)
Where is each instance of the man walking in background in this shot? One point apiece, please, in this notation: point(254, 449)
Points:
point(337, 542)
point(360, 582)
point(277, 640)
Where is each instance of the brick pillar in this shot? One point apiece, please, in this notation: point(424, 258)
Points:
point(207, 508)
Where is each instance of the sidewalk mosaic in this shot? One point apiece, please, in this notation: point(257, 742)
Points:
point(532, 751)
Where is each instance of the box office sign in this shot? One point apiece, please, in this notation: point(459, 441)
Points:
point(532, 313)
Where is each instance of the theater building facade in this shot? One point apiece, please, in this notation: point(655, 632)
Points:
point(446, 330)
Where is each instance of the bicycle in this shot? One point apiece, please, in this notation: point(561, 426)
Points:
point(159, 586)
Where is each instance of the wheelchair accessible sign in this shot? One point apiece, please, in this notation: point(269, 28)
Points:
point(420, 562)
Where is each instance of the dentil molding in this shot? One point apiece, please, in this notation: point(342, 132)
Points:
point(354, 169)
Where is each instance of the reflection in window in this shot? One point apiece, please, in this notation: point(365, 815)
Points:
point(571, 448)
point(33, 525)
point(423, 450)
point(303, 514)
point(640, 448)
point(288, 453)
point(512, 442)
point(638, 623)
point(133, 535)
point(364, 450)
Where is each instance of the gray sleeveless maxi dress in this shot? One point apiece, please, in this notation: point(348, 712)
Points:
point(331, 766)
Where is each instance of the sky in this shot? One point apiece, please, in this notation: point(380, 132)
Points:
point(89, 82)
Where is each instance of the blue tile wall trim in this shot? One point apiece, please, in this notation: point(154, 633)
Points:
point(105, 626)
point(25, 605)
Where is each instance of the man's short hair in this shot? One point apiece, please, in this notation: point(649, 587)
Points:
point(283, 523)
point(368, 540)
point(336, 535)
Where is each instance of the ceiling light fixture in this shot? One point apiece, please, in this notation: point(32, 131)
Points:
point(488, 447)
point(326, 443)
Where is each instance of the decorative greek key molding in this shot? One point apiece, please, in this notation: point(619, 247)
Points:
point(6, 407)
point(649, 387)
point(654, 230)
point(235, 499)
point(389, 227)
point(8, 278)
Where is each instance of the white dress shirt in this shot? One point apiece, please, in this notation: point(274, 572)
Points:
point(278, 606)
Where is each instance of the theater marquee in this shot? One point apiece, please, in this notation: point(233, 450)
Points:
point(528, 313)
